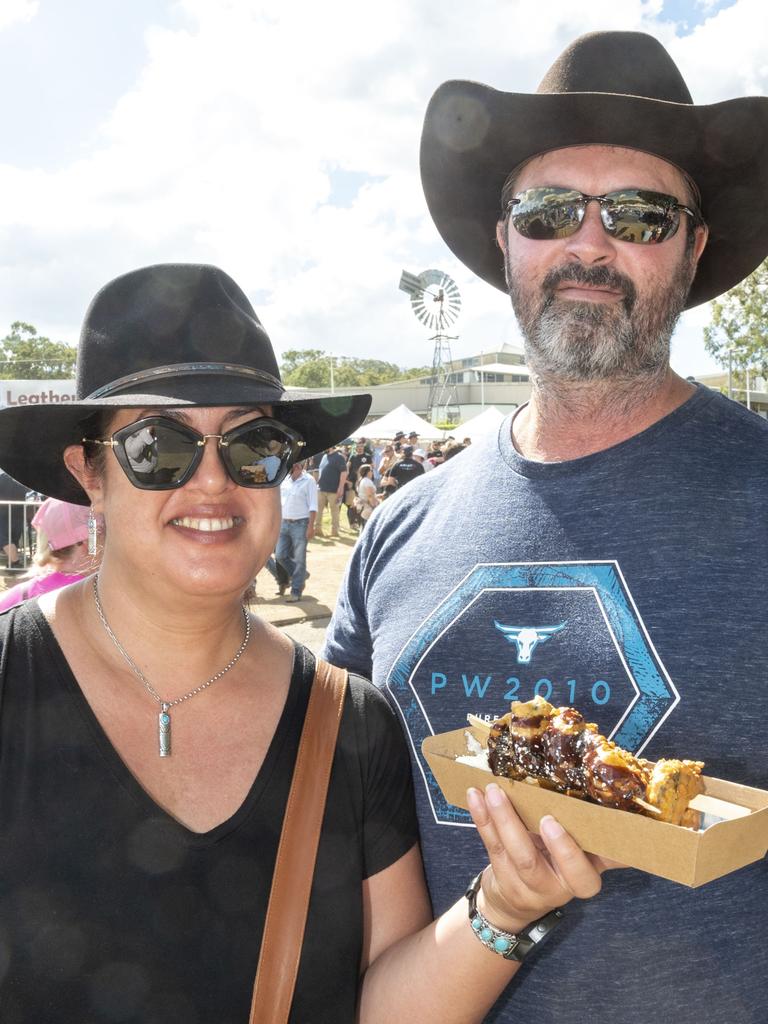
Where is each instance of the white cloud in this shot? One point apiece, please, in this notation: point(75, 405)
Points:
point(224, 151)
point(14, 11)
point(727, 55)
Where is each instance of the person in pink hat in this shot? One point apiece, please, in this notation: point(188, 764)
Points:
point(62, 552)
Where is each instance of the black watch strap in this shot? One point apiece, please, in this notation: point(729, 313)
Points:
point(511, 946)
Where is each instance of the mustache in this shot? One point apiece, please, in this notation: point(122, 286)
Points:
point(596, 277)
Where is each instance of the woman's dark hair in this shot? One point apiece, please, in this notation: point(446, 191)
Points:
point(97, 426)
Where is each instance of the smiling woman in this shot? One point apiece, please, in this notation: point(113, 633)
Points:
point(153, 723)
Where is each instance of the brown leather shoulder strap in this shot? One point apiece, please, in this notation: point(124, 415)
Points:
point(296, 854)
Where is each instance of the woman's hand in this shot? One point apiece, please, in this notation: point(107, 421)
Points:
point(440, 972)
point(528, 875)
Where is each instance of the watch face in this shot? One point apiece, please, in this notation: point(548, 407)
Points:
point(539, 930)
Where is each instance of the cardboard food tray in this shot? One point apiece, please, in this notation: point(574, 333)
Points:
point(670, 851)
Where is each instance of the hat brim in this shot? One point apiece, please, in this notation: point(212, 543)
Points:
point(475, 135)
point(33, 438)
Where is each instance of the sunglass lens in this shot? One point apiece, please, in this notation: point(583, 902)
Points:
point(157, 455)
point(258, 454)
point(547, 213)
point(640, 216)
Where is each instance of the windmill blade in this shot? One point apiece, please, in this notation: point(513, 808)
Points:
point(410, 283)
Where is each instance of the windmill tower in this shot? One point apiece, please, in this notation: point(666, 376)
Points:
point(435, 301)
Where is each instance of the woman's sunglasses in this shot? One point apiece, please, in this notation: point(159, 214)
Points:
point(630, 214)
point(159, 454)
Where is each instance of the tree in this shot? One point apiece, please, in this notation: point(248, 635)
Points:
point(27, 355)
point(737, 337)
point(296, 357)
point(311, 368)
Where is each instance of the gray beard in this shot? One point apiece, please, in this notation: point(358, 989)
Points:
point(570, 342)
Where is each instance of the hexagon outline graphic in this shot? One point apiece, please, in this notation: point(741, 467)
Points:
point(655, 694)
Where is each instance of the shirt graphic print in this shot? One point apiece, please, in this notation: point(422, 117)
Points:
point(566, 631)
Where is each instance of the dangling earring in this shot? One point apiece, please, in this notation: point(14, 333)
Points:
point(93, 532)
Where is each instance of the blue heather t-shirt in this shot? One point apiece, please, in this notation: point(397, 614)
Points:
point(628, 584)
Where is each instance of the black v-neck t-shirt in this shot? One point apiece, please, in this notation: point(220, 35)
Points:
point(110, 910)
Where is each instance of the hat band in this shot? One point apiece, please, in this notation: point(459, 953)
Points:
point(157, 373)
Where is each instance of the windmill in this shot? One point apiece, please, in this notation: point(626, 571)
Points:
point(435, 301)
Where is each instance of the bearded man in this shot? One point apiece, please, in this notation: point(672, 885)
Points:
point(617, 519)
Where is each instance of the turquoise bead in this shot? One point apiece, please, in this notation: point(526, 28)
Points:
point(165, 719)
point(501, 945)
point(486, 934)
point(477, 924)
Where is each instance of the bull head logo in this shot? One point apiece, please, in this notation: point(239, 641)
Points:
point(526, 638)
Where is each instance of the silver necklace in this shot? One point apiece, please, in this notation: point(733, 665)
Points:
point(164, 718)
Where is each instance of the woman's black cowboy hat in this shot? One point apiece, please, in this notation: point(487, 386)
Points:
point(167, 335)
point(606, 88)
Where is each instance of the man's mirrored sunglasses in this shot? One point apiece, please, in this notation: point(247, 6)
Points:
point(630, 214)
point(160, 454)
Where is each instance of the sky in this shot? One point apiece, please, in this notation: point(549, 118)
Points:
point(278, 139)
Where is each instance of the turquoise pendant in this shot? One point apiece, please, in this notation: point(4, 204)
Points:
point(164, 731)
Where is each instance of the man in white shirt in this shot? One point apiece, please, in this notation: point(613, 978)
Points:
point(298, 495)
point(420, 456)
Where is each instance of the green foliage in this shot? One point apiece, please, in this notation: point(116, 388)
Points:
point(296, 357)
point(27, 355)
point(311, 368)
point(740, 324)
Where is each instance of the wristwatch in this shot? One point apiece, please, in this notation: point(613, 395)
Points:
point(511, 947)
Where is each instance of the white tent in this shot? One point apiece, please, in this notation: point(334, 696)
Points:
point(479, 426)
point(403, 419)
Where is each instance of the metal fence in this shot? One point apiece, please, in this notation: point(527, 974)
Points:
point(17, 538)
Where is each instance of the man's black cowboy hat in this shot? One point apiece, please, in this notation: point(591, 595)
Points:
point(167, 335)
point(606, 88)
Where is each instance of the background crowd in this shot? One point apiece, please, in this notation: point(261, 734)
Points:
point(386, 464)
point(355, 476)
